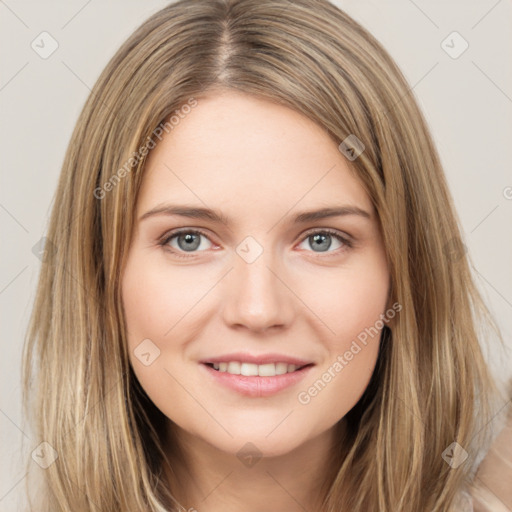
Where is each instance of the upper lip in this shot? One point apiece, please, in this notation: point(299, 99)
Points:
point(257, 359)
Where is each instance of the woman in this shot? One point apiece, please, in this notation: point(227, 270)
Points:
point(256, 371)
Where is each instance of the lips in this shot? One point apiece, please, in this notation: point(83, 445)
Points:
point(256, 376)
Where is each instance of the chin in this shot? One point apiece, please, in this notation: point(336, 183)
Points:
point(267, 439)
point(256, 445)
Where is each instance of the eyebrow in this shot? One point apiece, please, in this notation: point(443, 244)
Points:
point(194, 212)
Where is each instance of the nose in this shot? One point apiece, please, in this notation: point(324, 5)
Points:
point(257, 296)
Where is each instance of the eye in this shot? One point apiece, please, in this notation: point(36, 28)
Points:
point(322, 240)
point(187, 240)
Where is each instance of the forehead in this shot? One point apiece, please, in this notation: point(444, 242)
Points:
point(237, 151)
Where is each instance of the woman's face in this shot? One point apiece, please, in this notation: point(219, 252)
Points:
point(267, 284)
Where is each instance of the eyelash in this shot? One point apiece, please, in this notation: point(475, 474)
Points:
point(180, 254)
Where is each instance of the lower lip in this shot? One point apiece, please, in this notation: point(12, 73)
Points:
point(256, 386)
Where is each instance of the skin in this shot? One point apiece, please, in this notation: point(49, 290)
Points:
point(260, 164)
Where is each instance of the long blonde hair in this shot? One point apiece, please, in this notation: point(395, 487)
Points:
point(431, 387)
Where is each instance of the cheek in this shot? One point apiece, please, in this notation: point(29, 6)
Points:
point(156, 298)
point(153, 303)
point(351, 305)
point(349, 301)
point(157, 306)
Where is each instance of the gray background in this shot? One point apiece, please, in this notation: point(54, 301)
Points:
point(467, 102)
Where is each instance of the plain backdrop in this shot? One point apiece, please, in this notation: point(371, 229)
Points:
point(466, 98)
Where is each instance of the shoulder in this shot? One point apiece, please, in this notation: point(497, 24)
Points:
point(492, 485)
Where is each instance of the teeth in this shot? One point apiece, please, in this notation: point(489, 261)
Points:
point(249, 369)
point(252, 370)
point(233, 367)
point(267, 370)
point(281, 368)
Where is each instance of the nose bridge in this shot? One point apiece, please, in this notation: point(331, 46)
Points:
point(256, 297)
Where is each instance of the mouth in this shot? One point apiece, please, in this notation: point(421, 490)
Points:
point(255, 380)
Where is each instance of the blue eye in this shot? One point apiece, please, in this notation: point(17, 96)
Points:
point(189, 241)
point(322, 240)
